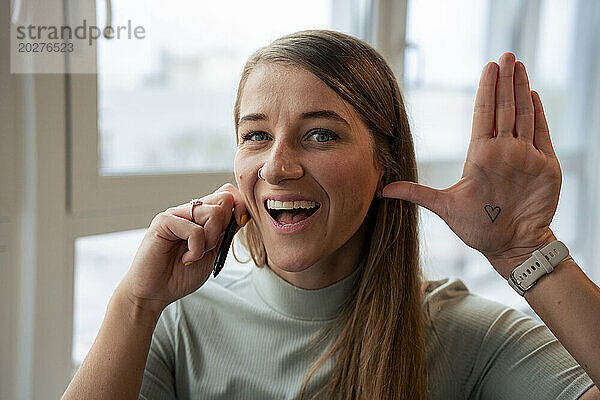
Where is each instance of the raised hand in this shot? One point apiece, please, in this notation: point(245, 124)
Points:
point(508, 193)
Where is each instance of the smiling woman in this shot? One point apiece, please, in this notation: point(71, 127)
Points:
point(305, 153)
point(305, 85)
point(335, 304)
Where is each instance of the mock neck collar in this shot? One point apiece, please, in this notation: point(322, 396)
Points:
point(306, 304)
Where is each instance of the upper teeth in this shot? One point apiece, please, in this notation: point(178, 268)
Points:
point(289, 205)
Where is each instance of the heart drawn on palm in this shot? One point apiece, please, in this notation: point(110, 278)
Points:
point(495, 211)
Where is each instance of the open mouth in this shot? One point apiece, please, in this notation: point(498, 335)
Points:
point(289, 213)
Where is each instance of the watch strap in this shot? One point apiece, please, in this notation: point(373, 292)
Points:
point(540, 263)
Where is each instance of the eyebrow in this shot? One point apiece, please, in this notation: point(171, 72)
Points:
point(328, 114)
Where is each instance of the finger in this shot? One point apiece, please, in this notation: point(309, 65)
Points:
point(217, 246)
point(238, 203)
point(415, 193)
point(185, 210)
point(524, 118)
point(216, 224)
point(505, 100)
point(485, 103)
point(214, 218)
point(224, 200)
point(174, 228)
point(541, 139)
point(216, 198)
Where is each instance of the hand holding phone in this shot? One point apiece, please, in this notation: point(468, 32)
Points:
point(182, 246)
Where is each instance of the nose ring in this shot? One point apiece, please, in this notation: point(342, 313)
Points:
point(260, 174)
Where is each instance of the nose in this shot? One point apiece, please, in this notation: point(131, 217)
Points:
point(283, 163)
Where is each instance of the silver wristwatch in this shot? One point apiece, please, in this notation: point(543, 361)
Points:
point(540, 263)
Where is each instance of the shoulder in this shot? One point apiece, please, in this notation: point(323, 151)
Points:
point(449, 300)
point(442, 290)
point(486, 348)
point(463, 324)
point(465, 333)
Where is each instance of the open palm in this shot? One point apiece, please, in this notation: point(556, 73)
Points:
point(508, 193)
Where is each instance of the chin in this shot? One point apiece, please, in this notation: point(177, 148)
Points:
point(290, 262)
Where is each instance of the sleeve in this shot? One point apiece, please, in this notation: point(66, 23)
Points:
point(520, 358)
point(159, 380)
point(506, 354)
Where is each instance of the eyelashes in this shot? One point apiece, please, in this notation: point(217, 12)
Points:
point(319, 131)
point(248, 135)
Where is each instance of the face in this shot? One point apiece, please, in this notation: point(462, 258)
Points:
point(317, 157)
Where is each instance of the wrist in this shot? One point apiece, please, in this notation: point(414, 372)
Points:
point(505, 263)
point(135, 309)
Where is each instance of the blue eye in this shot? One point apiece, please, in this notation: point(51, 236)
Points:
point(319, 133)
point(249, 135)
point(324, 133)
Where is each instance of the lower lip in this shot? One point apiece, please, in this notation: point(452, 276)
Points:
point(298, 226)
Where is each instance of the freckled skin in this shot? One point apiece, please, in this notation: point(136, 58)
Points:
point(339, 173)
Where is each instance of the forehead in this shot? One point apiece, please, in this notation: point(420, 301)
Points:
point(273, 87)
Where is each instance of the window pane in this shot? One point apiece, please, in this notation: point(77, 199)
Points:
point(439, 90)
point(101, 261)
point(558, 77)
point(166, 102)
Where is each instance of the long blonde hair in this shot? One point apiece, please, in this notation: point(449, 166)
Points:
point(380, 350)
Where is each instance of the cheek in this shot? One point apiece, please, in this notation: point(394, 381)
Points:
point(350, 184)
point(245, 176)
point(243, 168)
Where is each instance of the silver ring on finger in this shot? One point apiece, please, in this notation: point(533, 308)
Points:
point(194, 202)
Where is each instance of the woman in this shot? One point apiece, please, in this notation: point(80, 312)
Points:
point(337, 306)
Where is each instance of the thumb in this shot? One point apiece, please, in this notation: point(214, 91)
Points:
point(413, 192)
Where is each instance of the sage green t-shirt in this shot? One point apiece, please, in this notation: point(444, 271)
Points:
point(246, 334)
